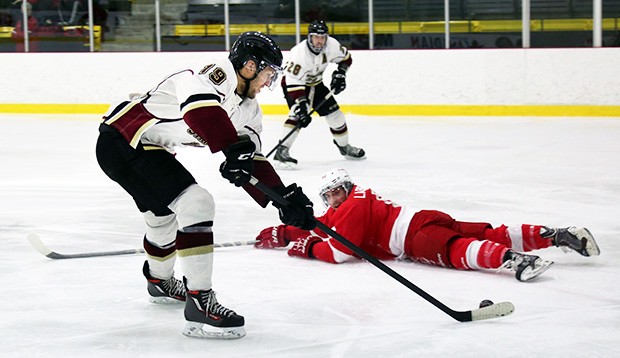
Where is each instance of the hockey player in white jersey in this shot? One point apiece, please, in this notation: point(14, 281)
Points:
point(304, 89)
point(211, 106)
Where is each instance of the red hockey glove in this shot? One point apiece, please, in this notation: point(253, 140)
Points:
point(303, 247)
point(271, 237)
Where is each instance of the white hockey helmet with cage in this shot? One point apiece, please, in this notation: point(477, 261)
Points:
point(333, 179)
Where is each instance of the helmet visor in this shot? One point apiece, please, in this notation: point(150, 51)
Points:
point(270, 74)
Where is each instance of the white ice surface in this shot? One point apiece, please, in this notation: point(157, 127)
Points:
point(551, 171)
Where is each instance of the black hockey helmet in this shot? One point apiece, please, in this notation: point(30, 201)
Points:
point(317, 28)
point(258, 47)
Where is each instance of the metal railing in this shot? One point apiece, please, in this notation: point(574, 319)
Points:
point(199, 25)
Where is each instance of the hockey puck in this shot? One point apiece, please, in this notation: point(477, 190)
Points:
point(485, 303)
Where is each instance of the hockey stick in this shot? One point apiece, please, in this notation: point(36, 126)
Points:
point(36, 242)
point(493, 311)
point(297, 127)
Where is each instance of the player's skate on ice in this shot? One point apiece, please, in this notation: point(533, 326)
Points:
point(306, 93)
point(578, 239)
point(214, 105)
point(207, 318)
point(170, 290)
point(390, 231)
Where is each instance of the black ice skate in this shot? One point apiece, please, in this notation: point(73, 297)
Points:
point(351, 152)
point(163, 291)
point(283, 158)
point(206, 318)
point(526, 267)
point(573, 238)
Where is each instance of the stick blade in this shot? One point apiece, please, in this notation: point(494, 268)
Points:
point(36, 242)
point(495, 310)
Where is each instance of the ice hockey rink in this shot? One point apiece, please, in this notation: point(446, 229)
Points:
point(511, 170)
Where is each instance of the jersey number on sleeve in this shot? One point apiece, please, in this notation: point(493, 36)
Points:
point(217, 76)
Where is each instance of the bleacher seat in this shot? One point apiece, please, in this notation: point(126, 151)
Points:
point(551, 9)
point(492, 9)
point(241, 11)
point(583, 8)
point(432, 9)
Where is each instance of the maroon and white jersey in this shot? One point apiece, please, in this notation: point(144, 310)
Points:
point(195, 107)
point(304, 68)
point(191, 107)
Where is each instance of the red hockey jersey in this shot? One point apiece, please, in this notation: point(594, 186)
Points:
point(376, 225)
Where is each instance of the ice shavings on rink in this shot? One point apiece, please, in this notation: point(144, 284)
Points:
point(551, 171)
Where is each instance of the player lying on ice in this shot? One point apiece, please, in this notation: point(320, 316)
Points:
point(389, 231)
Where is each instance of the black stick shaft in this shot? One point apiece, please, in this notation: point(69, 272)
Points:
point(296, 128)
point(464, 316)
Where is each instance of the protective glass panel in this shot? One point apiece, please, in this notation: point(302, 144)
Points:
point(50, 26)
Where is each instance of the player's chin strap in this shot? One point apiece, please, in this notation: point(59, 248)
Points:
point(247, 81)
point(493, 311)
point(247, 84)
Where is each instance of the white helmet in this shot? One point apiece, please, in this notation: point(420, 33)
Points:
point(333, 179)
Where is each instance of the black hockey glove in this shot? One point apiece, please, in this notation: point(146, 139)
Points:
point(338, 81)
point(300, 108)
point(237, 167)
point(299, 210)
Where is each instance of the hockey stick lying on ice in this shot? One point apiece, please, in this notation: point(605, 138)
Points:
point(493, 311)
point(297, 127)
point(36, 242)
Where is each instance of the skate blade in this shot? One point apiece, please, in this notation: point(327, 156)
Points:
point(348, 157)
point(204, 331)
point(164, 300)
point(529, 274)
point(591, 248)
point(566, 249)
point(284, 165)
